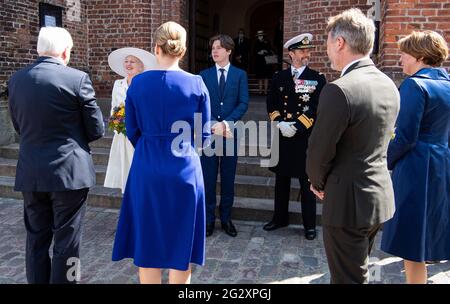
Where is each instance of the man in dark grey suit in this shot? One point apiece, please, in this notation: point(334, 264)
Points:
point(346, 158)
point(54, 110)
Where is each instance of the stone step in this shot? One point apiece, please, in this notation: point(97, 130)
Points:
point(246, 165)
point(8, 167)
point(105, 106)
point(245, 185)
point(10, 151)
point(106, 142)
point(244, 208)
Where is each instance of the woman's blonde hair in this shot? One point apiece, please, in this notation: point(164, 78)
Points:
point(428, 46)
point(171, 37)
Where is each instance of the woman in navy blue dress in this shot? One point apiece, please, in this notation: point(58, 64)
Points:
point(419, 156)
point(162, 219)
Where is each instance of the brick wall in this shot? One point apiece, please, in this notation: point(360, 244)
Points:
point(99, 26)
point(312, 16)
point(19, 28)
point(114, 24)
point(399, 18)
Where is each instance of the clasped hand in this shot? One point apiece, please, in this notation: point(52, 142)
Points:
point(287, 128)
point(222, 129)
point(320, 194)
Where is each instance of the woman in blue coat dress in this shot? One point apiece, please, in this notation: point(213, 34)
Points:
point(162, 219)
point(419, 156)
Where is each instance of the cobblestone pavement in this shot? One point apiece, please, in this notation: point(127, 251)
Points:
point(254, 256)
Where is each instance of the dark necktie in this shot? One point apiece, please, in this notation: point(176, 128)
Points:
point(222, 82)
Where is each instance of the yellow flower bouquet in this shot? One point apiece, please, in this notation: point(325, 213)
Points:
point(117, 120)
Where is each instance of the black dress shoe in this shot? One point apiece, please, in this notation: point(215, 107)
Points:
point(209, 229)
point(273, 226)
point(310, 234)
point(229, 228)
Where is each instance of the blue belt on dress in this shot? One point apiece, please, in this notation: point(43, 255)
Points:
point(162, 135)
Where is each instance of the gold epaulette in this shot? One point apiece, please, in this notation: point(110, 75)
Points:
point(307, 122)
point(274, 115)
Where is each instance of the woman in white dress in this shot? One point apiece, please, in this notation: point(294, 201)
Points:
point(127, 62)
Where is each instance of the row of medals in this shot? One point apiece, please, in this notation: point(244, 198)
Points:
point(302, 86)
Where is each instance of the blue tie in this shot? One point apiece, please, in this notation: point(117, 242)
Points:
point(222, 82)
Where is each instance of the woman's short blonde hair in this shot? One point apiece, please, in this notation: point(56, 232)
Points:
point(171, 37)
point(428, 46)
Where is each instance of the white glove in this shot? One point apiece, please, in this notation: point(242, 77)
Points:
point(287, 128)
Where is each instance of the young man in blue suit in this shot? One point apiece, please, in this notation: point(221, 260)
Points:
point(228, 90)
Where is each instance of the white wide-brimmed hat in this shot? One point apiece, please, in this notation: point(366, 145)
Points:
point(117, 58)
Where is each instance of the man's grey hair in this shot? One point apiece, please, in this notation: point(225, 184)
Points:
point(355, 28)
point(52, 41)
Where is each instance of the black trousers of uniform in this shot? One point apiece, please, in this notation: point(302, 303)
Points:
point(54, 216)
point(348, 251)
point(282, 194)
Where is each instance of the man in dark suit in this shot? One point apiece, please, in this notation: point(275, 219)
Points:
point(228, 90)
point(292, 103)
point(54, 110)
point(346, 157)
point(241, 50)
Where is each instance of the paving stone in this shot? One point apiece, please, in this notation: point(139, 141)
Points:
point(269, 271)
point(233, 256)
point(16, 262)
point(251, 262)
point(271, 259)
point(215, 252)
point(9, 255)
point(248, 273)
point(310, 261)
point(255, 256)
point(245, 281)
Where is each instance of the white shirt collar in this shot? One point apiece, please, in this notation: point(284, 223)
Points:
point(227, 67)
point(351, 63)
point(299, 70)
point(58, 58)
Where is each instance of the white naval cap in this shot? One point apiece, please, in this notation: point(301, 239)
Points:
point(302, 41)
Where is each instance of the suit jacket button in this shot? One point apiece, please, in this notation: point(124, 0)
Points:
point(221, 103)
